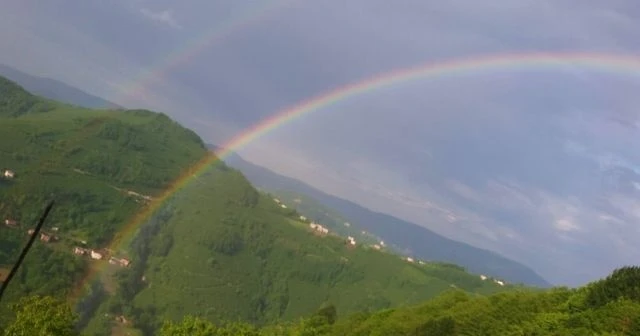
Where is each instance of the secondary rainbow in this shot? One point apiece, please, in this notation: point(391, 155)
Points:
point(609, 63)
point(217, 33)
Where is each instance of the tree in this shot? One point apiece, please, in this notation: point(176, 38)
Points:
point(190, 326)
point(42, 315)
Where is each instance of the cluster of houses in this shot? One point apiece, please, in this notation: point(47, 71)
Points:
point(317, 228)
point(499, 282)
point(8, 174)
point(100, 255)
point(282, 205)
point(45, 237)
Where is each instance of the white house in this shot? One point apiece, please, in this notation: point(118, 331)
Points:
point(351, 240)
point(483, 277)
point(8, 174)
point(283, 206)
point(303, 218)
point(499, 282)
point(409, 259)
point(376, 246)
point(95, 255)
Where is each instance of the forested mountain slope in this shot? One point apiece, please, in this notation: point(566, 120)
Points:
point(422, 242)
point(217, 247)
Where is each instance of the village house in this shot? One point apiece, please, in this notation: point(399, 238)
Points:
point(501, 283)
point(45, 237)
point(276, 200)
point(10, 223)
point(125, 262)
point(303, 218)
point(319, 228)
point(381, 243)
point(8, 174)
point(409, 259)
point(347, 224)
point(483, 277)
point(421, 262)
point(376, 246)
point(79, 251)
point(95, 255)
point(351, 240)
point(283, 206)
point(30, 232)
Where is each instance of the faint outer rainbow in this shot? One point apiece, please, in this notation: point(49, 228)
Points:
point(216, 33)
point(623, 65)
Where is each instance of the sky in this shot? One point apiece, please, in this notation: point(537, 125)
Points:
point(540, 165)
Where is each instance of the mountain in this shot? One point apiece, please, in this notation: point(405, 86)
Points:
point(423, 243)
point(98, 166)
point(55, 90)
point(216, 247)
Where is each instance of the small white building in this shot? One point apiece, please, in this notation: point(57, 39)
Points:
point(9, 174)
point(409, 259)
point(352, 241)
point(376, 246)
point(303, 218)
point(276, 200)
point(283, 206)
point(319, 228)
point(501, 283)
point(381, 243)
point(95, 255)
point(483, 277)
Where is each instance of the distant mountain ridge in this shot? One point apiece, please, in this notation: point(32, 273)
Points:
point(424, 243)
point(55, 90)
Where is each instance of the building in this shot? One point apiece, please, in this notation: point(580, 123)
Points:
point(30, 232)
point(351, 240)
point(95, 255)
point(79, 251)
point(303, 218)
point(9, 174)
point(483, 277)
point(125, 262)
point(45, 237)
point(501, 283)
point(318, 228)
point(283, 206)
point(409, 259)
point(10, 223)
point(376, 246)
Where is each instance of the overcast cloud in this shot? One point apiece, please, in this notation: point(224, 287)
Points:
point(538, 165)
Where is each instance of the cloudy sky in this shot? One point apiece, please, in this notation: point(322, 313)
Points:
point(536, 163)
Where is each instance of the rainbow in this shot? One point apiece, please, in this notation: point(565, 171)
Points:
point(217, 33)
point(622, 65)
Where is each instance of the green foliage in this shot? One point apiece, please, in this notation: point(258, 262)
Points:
point(37, 315)
point(98, 165)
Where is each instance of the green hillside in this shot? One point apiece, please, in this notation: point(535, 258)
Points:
point(223, 251)
point(608, 307)
point(403, 235)
point(316, 212)
point(88, 161)
point(218, 248)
